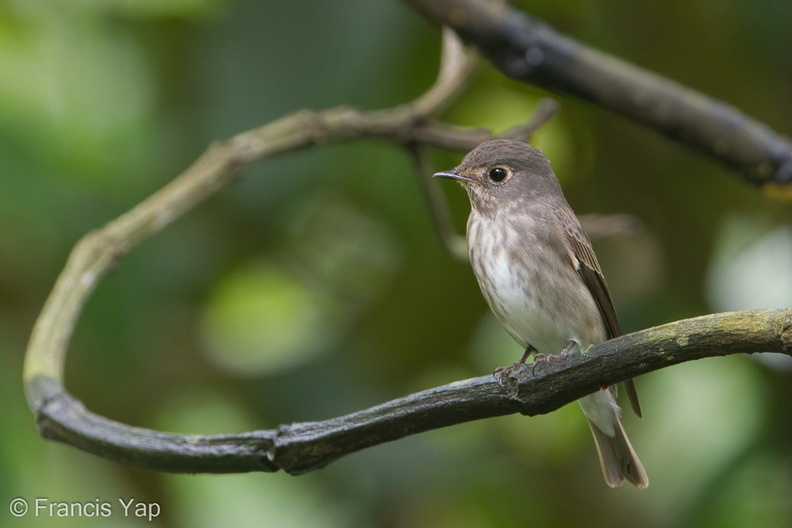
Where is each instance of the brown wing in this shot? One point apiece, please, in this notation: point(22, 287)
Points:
point(585, 262)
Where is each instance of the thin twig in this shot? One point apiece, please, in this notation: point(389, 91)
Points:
point(545, 110)
point(437, 205)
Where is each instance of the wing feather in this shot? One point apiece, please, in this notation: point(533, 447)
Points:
point(585, 262)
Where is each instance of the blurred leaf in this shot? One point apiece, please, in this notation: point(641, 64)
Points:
point(77, 85)
point(751, 265)
point(262, 319)
point(340, 249)
point(754, 493)
point(703, 414)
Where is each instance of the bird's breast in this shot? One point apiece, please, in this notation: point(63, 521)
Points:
point(536, 295)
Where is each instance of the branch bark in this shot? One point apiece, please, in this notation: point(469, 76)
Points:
point(525, 48)
point(301, 447)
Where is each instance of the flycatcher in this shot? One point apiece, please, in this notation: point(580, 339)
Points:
point(537, 270)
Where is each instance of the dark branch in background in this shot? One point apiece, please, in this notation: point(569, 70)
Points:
point(527, 49)
point(300, 447)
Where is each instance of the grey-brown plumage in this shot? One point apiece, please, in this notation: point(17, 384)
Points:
point(538, 272)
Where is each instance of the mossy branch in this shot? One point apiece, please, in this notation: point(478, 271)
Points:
point(300, 447)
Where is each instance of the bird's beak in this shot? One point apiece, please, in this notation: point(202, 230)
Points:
point(454, 175)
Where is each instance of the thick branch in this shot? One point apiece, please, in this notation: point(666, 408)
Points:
point(527, 49)
point(302, 447)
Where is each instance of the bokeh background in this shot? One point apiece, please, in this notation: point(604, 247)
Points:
point(316, 287)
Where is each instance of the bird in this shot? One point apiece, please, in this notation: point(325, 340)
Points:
point(538, 272)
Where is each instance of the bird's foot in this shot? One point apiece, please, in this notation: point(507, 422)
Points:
point(544, 358)
point(504, 375)
point(506, 378)
point(501, 373)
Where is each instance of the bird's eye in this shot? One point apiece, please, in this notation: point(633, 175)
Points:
point(498, 174)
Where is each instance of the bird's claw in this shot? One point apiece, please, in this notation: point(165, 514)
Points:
point(501, 374)
point(544, 358)
point(506, 379)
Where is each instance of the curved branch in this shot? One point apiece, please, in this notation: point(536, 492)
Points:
point(527, 49)
point(62, 417)
point(220, 165)
point(300, 447)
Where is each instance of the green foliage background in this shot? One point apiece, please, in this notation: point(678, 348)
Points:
point(315, 287)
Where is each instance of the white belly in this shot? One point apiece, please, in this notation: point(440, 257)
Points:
point(537, 311)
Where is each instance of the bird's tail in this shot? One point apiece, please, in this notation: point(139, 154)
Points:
point(617, 456)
